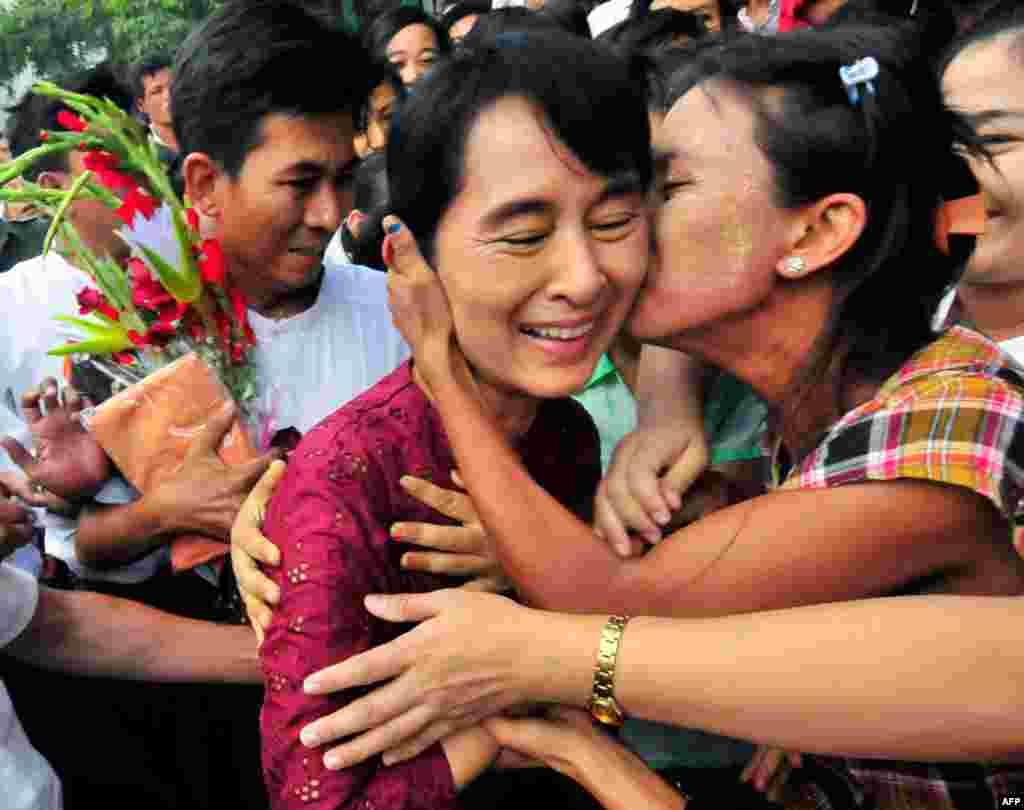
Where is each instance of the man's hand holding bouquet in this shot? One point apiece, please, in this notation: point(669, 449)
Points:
point(166, 327)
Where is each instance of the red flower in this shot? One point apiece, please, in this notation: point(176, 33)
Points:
point(192, 218)
point(90, 300)
point(115, 180)
point(124, 358)
point(158, 334)
point(44, 135)
point(136, 201)
point(97, 161)
point(238, 305)
point(69, 120)
point(172, 313)
point(147, 292)
point(212, 266)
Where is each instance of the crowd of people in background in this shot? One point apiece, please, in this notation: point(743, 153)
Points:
point(649, 408)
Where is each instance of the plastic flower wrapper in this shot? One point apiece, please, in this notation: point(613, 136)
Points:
point(165, 326)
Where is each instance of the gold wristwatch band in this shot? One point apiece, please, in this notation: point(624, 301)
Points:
point(603, 705)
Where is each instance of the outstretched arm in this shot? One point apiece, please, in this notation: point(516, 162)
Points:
point(94, 634)
point(923, 678)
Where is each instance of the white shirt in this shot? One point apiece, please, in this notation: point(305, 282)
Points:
point(314, 362)
point(27, 782)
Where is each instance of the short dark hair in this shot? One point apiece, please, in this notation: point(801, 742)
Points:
point(583, 90)
point(384, 26)
point(508, 19)
point(34, 113)
point(895, 149)
point(658, 30)
point(147, 67)
point(257, 58)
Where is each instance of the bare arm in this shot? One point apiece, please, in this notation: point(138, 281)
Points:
point(778, 550)
point(923, 678)
point(94, 634)
point(655, 464)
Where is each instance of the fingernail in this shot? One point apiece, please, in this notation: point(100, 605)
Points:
point(332, 762)
point(674, 500)
point(309, 738)
point(661, 518)
point(394, 227)
point(309, 686)
point(653, 537)
point(388, 758)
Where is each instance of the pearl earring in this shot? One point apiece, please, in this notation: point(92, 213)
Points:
point(793, 265)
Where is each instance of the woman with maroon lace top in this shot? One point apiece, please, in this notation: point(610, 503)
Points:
point(540, 238)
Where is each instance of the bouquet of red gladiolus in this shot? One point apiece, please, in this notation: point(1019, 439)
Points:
point(166, 326)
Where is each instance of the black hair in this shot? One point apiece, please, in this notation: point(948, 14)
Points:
point(895, 149)
point(582, 89)
point(147, 67)
point(506, 20)
point(661, 29)
point(466, 8)
point(257, 58)
point(34, 113)
point(641, 8)
point(377, 75)
point(569, 15)
point(935, 20)
point(370, 196)
point(383, 28)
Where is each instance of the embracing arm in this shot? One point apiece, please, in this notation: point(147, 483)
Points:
point(778, 550)
point(99, 635)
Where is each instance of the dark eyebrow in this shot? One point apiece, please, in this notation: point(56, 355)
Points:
point(619, 186)
point(513, 209)
point(622, 185)
point(311, 167)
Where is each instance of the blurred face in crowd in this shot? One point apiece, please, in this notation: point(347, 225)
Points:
point(156, 97)
point(95, 222)
point(291, 194)
point(378, 116)
point(707, 10)
point(5, 150)
point(986, 82)
point(540, 257)
point(412, 51)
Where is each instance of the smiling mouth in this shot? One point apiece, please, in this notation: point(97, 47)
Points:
point(559, 332)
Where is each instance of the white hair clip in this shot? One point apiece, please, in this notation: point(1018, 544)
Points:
point(863, 72)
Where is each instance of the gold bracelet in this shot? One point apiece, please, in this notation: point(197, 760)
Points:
point(603, 704)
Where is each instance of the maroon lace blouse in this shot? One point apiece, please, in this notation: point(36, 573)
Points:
point(330, 517)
